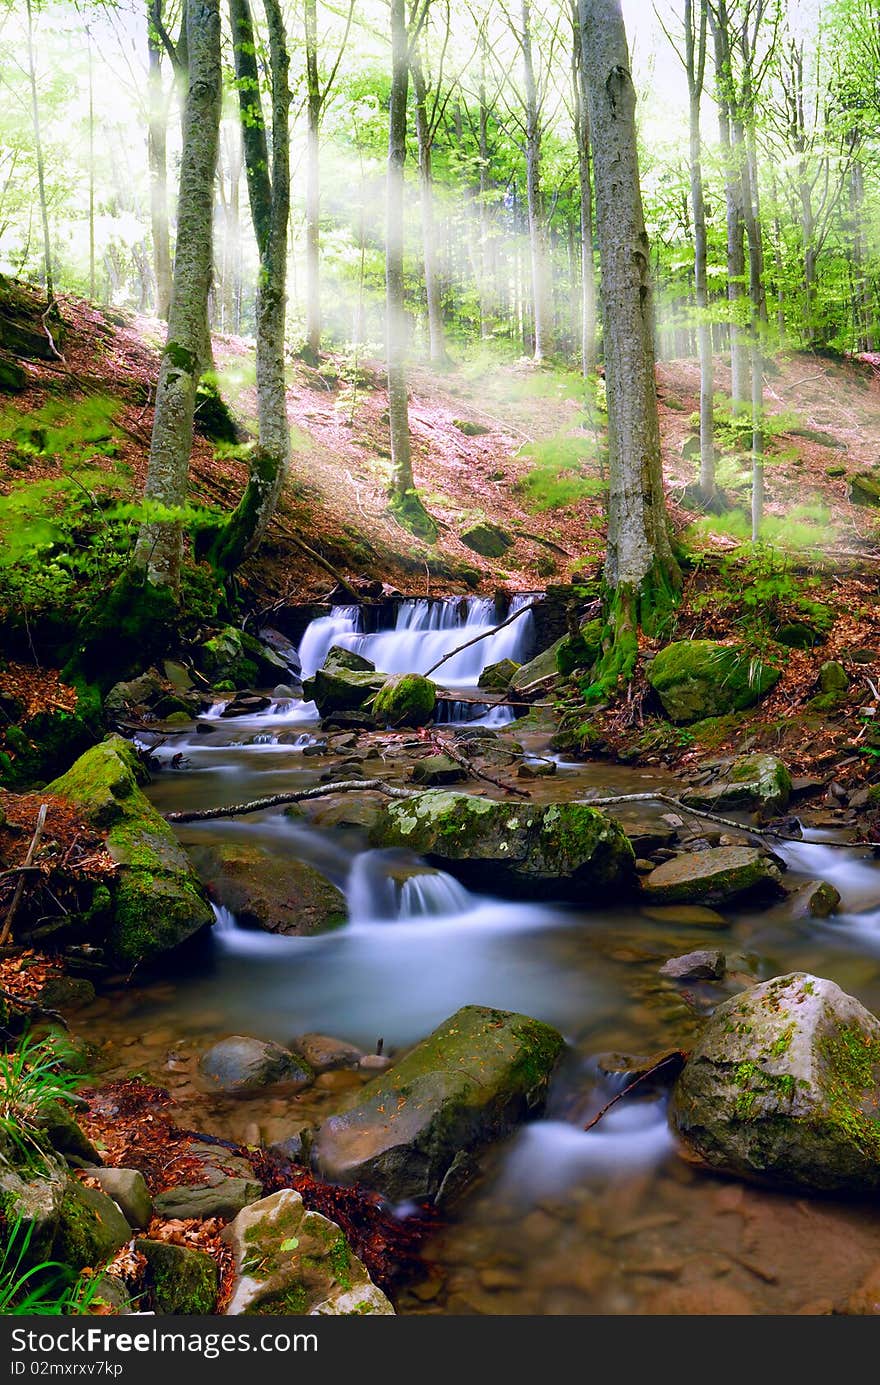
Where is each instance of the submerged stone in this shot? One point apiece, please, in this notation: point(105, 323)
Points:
point(240, 1066)
point(471, 1081)
point(716, 876)
point(783, 1086)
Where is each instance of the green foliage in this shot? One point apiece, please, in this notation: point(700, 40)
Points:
point(760, 593)
point(805, 526)
point(565, 471)
point(34, 1075)
point(47, 1289)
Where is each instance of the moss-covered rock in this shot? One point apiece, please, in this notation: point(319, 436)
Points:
point(759, 782)
point(223, 659)
point(156, 899)
point(290, 1262)
point(38, 747)
point(342, 690)
point(337, 657)
point(405, 699)
point(864, 489)
point(489, 540)
point(783, 1086)
point(519, 848)
point(497, 677)
point(544, 665)
point(30, 1197)
point(90, 1228)
point(717, 876)
point(183, 1281)
point(471, 1081)
point(580, 650)
point(279, 895)
point(435, 770)
point(701, 678)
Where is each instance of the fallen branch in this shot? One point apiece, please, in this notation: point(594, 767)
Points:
point(446, 749)
point(485, 635)
point(28, 860)
point(678, 1057)
point(712, 817)
point(256, 805)
point(18, 1000)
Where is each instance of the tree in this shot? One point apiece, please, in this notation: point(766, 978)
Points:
point(640, 567)
point(268, 180)
point(405, 500)
point(582, 137)
point(429, 114)
point(187, 349)
point(38, 149)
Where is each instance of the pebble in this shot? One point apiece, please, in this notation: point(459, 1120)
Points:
point(374, 1062)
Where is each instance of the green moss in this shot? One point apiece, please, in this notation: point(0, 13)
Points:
point(409, 511)
point(580, 650)
point(696, 679)
point(406, 699)
point(134, 626)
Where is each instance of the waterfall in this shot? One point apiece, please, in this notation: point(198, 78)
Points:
point(323, 633)
point(432, 894)
point(224, 919)
point(374, 893)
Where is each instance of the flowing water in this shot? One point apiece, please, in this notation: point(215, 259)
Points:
point(559, 1221)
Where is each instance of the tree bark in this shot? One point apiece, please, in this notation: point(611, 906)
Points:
point(159, 543)
point(398, 411)
point(640, 567)
point(541, 311)
point(695, 66)
point(38, 150)
point(588, 267)
point(733, 193)
point(313, 184)
point(437, 353)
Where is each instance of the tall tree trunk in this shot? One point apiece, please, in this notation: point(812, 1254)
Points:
point(159, 543)
point(436, 336)
point(398, 411)
point(91, 168)
point(588, 267)
point(38, 150)
point(157, 118)
point(488, 297)
point(268, 180)
point(541, 310)
point(695, 66)
point(640, 566)
point(733, 193)
point(313, 185)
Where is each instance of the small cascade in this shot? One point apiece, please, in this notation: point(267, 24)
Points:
point(224, 919)
point(338, 628)
point(431, 895)
point(376, 893)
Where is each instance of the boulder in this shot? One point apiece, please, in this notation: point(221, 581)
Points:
point(497, 677)
point(833, 678)
point(716, 876)
point(128, 1189)
point(520, 847)
point(341, 690)
point(225, 1198)
point(756, 782)
point(489, 540)
point(434, 770)
point(783, 1086)
point(134, 692)
point(268, 892)
point(701, 678)
point(542, 666)
point(324, 1053)
point(818, 898)
point(292, 1262)
point(245, 705)
point(223, 659)
point(337, 658)
point(90, 1228)
point(405, 699)
point(241, 1066)
point(31, 1197)
point(707, 965)
point(472, 1080)
point(470, 428)
point(864, 489)
point(157, 900)
point(183, 1281)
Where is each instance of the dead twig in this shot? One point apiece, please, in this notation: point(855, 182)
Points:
point(678, 1058)
point(28, 860)
point(256, 805)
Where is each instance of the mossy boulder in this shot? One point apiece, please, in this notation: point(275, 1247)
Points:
point(342, 690)
point(405, 699)
point(701, 678)
point(241, 1066)
point(757, 782)
point(544, 665)
point(489, 540)
point(224, 658)
point(580, 650)
point(157, 901)
point(717, 876)
point(337, 658)
point(279, 895)
point(472, 1080)
point(783, 1086)
point(90, 1228)
point(520, 848)
point(291, 1262)
point(182, 1280)
point(833, 683)
point(864, 489)
point(32, 1197)
point(497, 677)
point(435, 770)
point(43, 745)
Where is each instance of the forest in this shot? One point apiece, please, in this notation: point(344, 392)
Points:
point(439, 658)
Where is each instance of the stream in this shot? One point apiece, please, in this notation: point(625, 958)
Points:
point(560, 1221)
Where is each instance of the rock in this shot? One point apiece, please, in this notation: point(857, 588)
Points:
point(497, 677)
point(201, 1200)
point(700, 678)
point(323, 1053)
point(90, 1229)
point(241, 1066)
point(865, 1300)
point(489, 540)
point(818, 898)
point(13, 377)
point(285, 690)
point(292, 1147)
point(292, 1262)
point(469, 428)
point(833, 678)
point(542, 666)
point(437, 769)
point(864, 489)
point(536, 769)
point(756, 782)
point(341, 690)
point(783, 1086)
point(581, 650)
point(375, 1062)
point(128, 1190)
point(268, 892)
point(222, 658)
point(183, 1281)
point(32, 1197)
point(245, 705)
point(338, 658)
point(64, 1134)
point(134, 692)
point(479, 1074)
point(520, 847)
point(157, 900)
point(716, 876)
point(350, 810)
point(709, 965)
point(797, 634)
point(405, 699)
